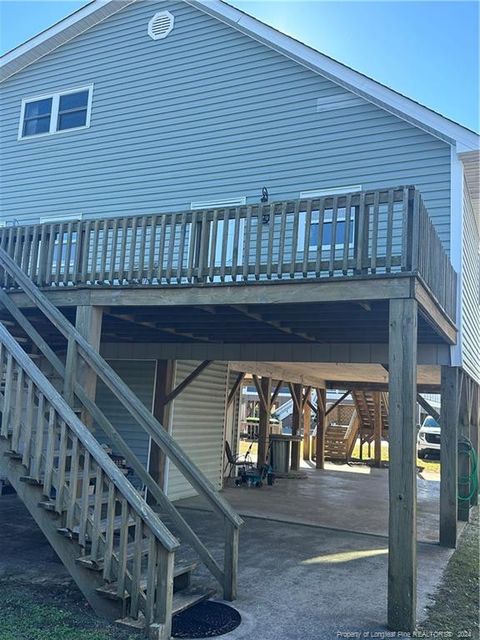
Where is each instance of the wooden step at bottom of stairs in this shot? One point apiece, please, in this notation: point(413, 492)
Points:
point(182, 600)
point(181, 581)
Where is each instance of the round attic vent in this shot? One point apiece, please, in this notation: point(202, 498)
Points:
point(160, 25)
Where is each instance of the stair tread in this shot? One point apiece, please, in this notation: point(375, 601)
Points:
point(181, 566)
point(182, 600)
point(117, 522)
point(109, 590)
point(187, 598)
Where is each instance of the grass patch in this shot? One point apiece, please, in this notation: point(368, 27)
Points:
point(456, 600)
point(50, 612)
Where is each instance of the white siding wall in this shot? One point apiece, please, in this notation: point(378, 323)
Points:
point(198, 424)
point(470, 290)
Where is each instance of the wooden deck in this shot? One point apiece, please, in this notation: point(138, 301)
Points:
point(365, 236)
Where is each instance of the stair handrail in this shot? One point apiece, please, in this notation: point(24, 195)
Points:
point(104, 423)
point(91, 444)
point(122, 392)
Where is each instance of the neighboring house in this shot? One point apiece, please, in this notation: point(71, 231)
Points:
point(190, 185)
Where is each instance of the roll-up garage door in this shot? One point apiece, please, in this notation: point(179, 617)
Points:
point(198, 424)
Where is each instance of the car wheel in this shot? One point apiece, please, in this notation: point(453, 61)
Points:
point(422, 455)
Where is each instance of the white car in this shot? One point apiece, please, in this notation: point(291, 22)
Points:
point(428, 438)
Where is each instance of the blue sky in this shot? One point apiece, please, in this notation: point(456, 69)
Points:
point(428, 51)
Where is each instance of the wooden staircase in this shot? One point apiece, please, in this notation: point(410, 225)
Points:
point(365, 405)
point(134, 562)
point(340, 439)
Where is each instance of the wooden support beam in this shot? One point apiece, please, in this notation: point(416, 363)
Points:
point(188, 380)
point(451, 377)
point(307, 419)
point(295, 398)
point(238, 381)
point(297, 420)
point(273, 323)
point(161, 409)
point(402, 542)
point(126, 317)
point(321, 426)
point(276, 391)
point(263, 399)
point(464, 467)
point(474, 435)
point(306, 396)
point(89, 324)
point(428, 407)
point(377, 428)
point(337, 402)
point(264, 421)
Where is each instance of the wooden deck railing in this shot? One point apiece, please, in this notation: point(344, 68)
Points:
point(386, 231)
point(87, 488)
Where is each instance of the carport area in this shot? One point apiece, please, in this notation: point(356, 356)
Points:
point(353, 499)
point(314, 553)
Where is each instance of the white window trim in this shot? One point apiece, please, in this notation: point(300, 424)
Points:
point(212, 204)
point(333, 191)
point(60, 217)
point(55, 95)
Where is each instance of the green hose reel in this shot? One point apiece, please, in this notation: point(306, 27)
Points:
point(465, 447)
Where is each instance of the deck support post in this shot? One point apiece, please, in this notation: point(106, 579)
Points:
point(264, 420)
point(474, 434)
point(465, 415)
point(297, 418)
point(450, 391)
point(161, 409)
point(307, 421)
point(321, 426)
point(89, 323)
point(402, 542)
point(377, 426)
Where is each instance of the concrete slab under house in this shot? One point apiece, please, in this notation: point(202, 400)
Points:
point(167, 290)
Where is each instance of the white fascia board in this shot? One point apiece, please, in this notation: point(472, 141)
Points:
point(52, 31)
point(354, 81)
point(58, 34)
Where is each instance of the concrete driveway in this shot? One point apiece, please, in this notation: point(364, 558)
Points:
point(304, 581)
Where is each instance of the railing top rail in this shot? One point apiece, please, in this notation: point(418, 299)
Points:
point(136, 502)
point(121, 391)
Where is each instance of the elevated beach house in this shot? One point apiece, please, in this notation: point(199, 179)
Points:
point(188, 195)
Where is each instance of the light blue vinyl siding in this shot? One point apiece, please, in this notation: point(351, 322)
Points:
point(139, 375)
point(207, 113)
point(470, 290)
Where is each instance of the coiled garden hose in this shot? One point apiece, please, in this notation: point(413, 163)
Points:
point(471, 481)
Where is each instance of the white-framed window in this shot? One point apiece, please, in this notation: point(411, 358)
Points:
point(327, 230)
point(55, 113)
